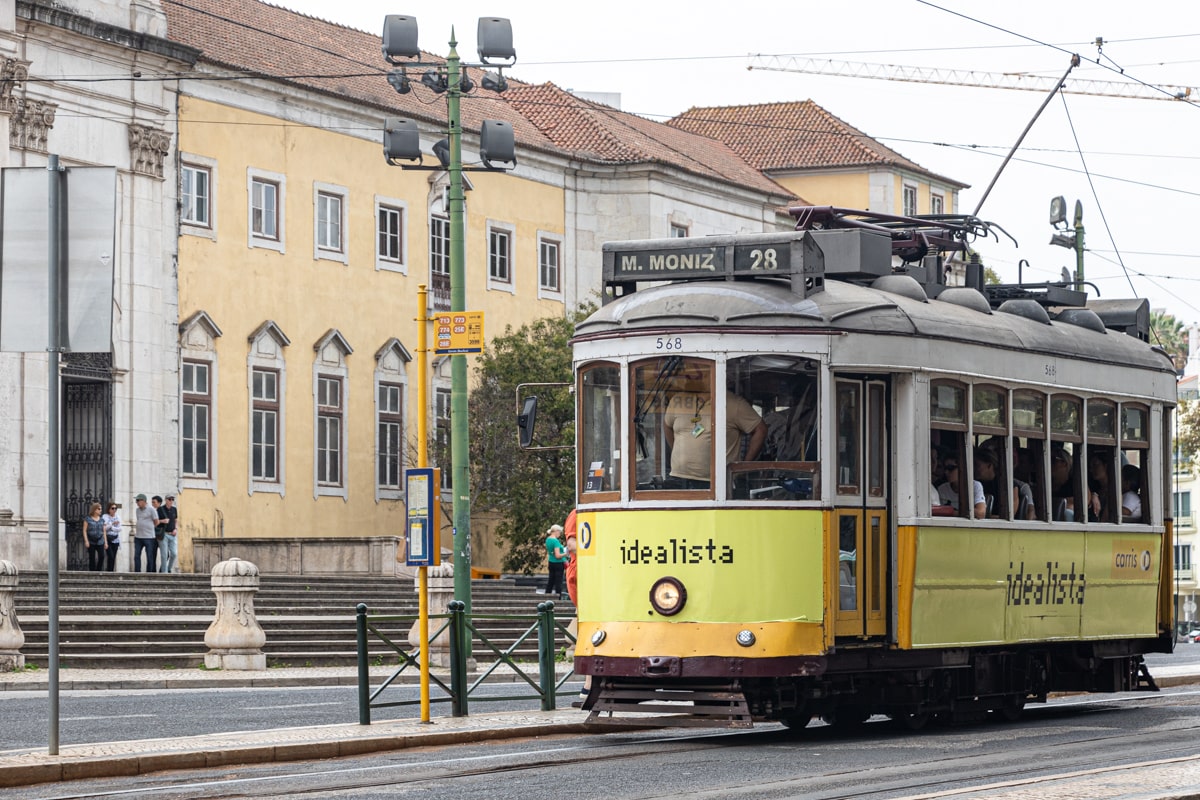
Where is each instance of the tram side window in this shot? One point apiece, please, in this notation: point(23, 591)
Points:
point(1029, 449)
point(785, 392)
point(949, 469)
point(600, 429)
point(672, 423)
point(1104, 466)
point(1066, 468)
point(1135, 443)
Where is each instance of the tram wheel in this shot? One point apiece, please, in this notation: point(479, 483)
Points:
point(797, 722)
point(1011, 709)
point(846, 719)
point(911, 721)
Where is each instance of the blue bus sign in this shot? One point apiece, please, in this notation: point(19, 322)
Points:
point(424, 519)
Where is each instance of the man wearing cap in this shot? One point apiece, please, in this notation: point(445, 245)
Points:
point(169, 546)
point(143, 535)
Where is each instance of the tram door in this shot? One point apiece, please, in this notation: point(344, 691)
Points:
point(861, 505)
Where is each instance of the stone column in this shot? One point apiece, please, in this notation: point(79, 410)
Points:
point(441, 592)
point(235, 638)
point(11, 637)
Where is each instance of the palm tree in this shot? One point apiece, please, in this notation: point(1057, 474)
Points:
point(1167, 331)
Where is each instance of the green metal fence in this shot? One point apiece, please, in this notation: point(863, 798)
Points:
point(461, 629)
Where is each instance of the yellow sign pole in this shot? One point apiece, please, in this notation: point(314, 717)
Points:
point(423, 461)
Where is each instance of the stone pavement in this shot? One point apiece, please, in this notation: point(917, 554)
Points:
point(1174, 779)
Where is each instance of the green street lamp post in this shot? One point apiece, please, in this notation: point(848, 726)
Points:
point(1072, 240)
point(402, 143)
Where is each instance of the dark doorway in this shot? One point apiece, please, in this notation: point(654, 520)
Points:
point(86, 444)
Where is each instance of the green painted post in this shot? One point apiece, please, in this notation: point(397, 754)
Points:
point(546, 677)
point(459, 451)
point(364, 674)
point(458, 658)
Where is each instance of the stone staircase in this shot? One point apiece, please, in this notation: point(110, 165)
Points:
point(139, 620)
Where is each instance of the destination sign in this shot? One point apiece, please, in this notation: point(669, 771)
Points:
point(701, 261)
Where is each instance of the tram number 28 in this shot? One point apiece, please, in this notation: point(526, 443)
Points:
point(763, 259)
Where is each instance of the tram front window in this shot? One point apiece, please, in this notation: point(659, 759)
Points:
point(672, 423)
point(784, 390)
point(600, 417)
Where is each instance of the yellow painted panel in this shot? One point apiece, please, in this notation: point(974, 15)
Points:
point(691, 639)
point(737, 566)
point(983, 586)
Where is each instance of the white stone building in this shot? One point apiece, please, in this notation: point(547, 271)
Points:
point(93, 82)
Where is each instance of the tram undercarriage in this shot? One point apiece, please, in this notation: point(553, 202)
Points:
point(847, 688)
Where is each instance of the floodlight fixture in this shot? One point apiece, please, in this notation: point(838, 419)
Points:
point(441, 149)
point(1066, 240)
point(401, 140)
point(495, 82)
point(435, 80)
point(399, 38)
point(496, 143)
point(1058, 210)
point(399, 81)
point(465, 84)
point(495, 40)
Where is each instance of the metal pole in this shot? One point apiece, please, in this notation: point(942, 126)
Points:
point(52, 389)
point(364, 673)
point(460, 475)
point(1021, 138)
point(423, 461)
point(1079, 242)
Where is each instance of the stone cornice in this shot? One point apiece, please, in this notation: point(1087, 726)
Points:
point(59, 17)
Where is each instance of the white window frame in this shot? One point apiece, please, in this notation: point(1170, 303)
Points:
point(679, 231)
point(330, 362)
point(197, 343)
point(194, 400)
point(329, 451)
point(266, 353)
point(908, 191)
point(382, 261)
point(274, 406)
point(385, 415)
point(506, 231)
point(552, 240)
point(278, 243)
point(937, 203)
point(337, 247)
point(206, 229)
point(391, 370)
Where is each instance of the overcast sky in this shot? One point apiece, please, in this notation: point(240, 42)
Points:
point(1140, 207)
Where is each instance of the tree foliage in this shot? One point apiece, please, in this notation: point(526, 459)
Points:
point(530, 489)
point(1187, 436)
point(1169, 332)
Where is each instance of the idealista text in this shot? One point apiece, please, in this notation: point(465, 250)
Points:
point(676, 551)
point(1054, 587)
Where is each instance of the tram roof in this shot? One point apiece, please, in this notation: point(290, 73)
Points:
point(771, 306)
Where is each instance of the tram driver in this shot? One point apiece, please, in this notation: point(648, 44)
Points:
point(687, 427)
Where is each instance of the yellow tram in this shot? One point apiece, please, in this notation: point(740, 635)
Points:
point(767, 526)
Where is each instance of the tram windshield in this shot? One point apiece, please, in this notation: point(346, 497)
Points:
point(767, 426)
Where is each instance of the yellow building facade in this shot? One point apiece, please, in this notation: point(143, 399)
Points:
point(300, 256)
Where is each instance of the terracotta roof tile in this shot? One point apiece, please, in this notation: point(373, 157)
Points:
point(793, 135)
point(265, 40)
point(595, 131)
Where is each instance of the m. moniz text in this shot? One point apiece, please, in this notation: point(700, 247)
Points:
point(1054, 587)
point(676, 551)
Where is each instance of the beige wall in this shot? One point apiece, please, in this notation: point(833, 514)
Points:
point(241, 287)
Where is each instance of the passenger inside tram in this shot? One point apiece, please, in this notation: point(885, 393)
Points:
point(1062, 489)
point(1131, 487)
point(687, 429)
point(947, 492)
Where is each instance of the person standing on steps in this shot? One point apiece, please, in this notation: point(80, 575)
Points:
point(169, 546)
point(145, 523)
point(112, 528)
point(94, 539)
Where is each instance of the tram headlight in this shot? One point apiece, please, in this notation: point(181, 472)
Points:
point(598, 638)
point(668, 596)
